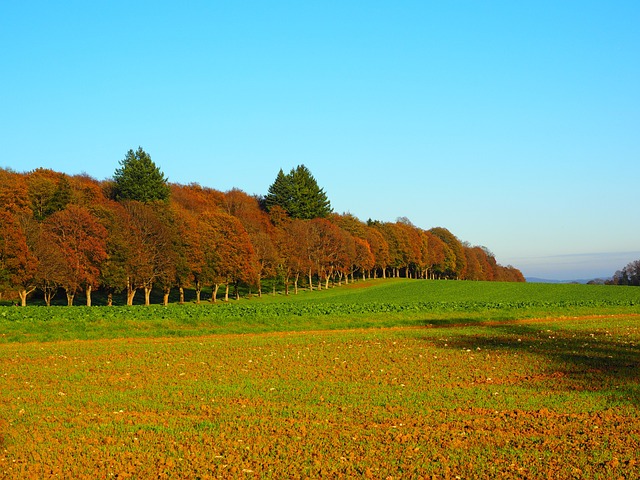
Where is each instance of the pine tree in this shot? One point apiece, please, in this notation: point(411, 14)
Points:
point(280, 192)
point(298, 194)
point(138, 178)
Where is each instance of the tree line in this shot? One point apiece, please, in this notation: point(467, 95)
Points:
point(137, 233)
point(629, 275)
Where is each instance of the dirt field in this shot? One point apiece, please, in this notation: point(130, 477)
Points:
point(531, 399)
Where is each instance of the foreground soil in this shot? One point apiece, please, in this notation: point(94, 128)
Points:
point(545, 398)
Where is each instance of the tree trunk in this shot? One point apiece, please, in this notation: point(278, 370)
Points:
point(165, 295)
point(181, 290)
point(88, 294)
point(226, 293)
point(147, 294)
point(295, 283)
point(70, 296)
point(237, 291)
point(310, 281)
point(48, 295)
point(214, 293)
point(110, 299)
point(198, 290)
point(131, 292)
point(23, 297)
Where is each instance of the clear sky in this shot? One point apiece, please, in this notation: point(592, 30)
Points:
point(514, 124)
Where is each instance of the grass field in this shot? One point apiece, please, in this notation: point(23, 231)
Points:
point(418, 379)
point(371, 304)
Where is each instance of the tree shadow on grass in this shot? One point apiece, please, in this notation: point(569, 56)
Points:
point(602, 359)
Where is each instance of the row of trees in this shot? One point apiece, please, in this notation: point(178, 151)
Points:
point(629, 275)
point(77, 234)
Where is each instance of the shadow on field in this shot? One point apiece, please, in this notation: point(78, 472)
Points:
point(577, 360)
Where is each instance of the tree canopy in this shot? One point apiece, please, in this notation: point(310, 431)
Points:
point(63, 233)
point(298, 194)
point(138, 178)
point(629, 275)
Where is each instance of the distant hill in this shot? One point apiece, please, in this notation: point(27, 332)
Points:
point(546, 280)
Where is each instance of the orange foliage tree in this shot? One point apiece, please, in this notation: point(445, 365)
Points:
point(260, 229)
point(18, 263)
point(234, 259)
point(82, 241)
point(70, 232)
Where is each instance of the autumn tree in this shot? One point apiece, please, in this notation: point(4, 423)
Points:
point(409, 236)
point(123, 247)
point(234, 255)
point(325, 244)
point(82, 241)
point(460, 263)
point(192, 204)
point(403, 242)
point(138, 178)
point(379, 249)
point(474, 257)
point(191, 262)
point(52, 264)
point(49, 192)
point(18, 263)
point(196, 198)
point(152, 242)
point(358, 246)
point(298, 194)
point(364, 260)
point(260, 229)
point(292, 243)
point(14, 193)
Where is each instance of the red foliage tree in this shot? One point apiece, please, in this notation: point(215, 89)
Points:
point(292, 244)
point(234, 259)
point(260, 229)
point(325, 246)
point(152, 244)
point(82, 241)
point(18, 263)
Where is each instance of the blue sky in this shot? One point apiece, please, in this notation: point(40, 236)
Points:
point(513, 124)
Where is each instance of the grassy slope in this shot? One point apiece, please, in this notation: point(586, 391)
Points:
point(381, 303)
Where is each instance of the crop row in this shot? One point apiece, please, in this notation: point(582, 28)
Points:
point(279, 310)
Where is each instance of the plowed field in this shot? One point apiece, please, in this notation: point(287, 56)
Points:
point(541, 399)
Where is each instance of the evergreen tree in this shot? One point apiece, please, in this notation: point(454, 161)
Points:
point(298, 194)
point(138, 178)
point(280, 192)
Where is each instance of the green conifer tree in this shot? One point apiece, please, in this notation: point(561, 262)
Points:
point(138, 178)
point(298, 194)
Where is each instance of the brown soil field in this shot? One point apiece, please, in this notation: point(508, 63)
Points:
point(543, 398)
